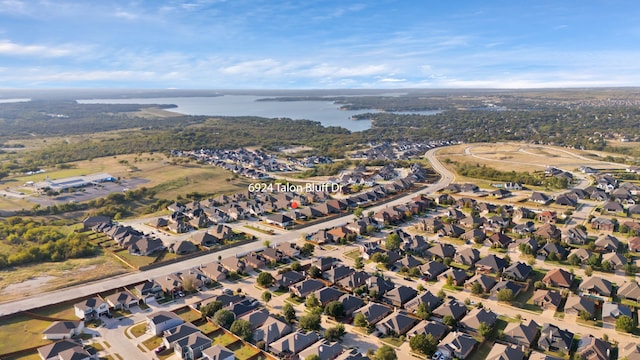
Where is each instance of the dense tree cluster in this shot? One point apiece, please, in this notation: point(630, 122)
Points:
point(33, 241)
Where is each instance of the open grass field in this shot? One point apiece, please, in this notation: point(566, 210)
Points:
point(60, 311)
point(187, 314)
point(21, 332)
point(526, 157)
point(168, 179)
point(28, 280)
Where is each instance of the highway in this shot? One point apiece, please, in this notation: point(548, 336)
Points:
point(69, 294)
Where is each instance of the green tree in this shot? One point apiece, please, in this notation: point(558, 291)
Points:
point(210, 309)
point(312, 301)
point(505, 295)
point(360, 320)
point(484, 329)
point(307, 249)
point(265, 279)
point(392, 242)
point(423, 311)
point(310, 322)
point(334, 309)
point(385, 352)
point(573, 260)
point(584, 315)
point(296, 266)
point(588, 270)
point(359, 265)
point(441, 294)
point(450, 280)
point(476, 288)
point(223, 318)
point(423, 343)
point(334, 333)
point(357, 212)
point(266, 296)
point(314, 272)
point(288, 312)
point(449, 320)
point(242, 328)
point(625, 323)
point(313, 357)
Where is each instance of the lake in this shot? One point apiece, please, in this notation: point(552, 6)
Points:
point(325, 112)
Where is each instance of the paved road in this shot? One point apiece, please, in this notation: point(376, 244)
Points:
point(88, 289)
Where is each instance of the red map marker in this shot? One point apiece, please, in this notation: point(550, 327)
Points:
point(294, 205)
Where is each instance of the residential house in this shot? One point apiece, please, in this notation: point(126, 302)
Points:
point(254, 260)
point(553, 248)
point(374, 312)
point(505, 352)
point(350, 304)
point(604, 224)
point(634, 243)
point(547, 299)
point(397, 323)
point(191, 347)
point(327, 295)
point(576, 305)
point(159, 322)
point(256, 317)
point(607, 243)
point(170, 283)
point(379, 285)
point(436, 329)
point(458, 345)
point(507, 284)
point(467, 256)
point(593, 348)
point(90, 308)
point(540, 198)
point(548, 232)
point(214, 271)
point(427, 298)
point(273, 255)
point(204, 239)
point(324, 349)
point(459, 276)
point(149, 290)
point(122, 300)
point(442, 251)
point(217, 352)
point(183, 247)
point(612, 311)
point(63, 330)
point(558, 278)
point(306, 287)
point(575, 235)
point(616, 260)
point(233, 264)
point(288, 249)
point(552, 338)
point(597, 286)
point(64, 349)
point(491, 264)
point(499, 240)
point(354, 280)
point(408, 262)
point(288, 278)
point(582, 254)
point(171, 336)
point(432, 269)
point(518, 271)
point(485, 281)
point(271, 330)
point(451, 230)
point(613, 207)
point(399, 296)
point(146, 246)
point(452, 307)
point(293, 343)
point(325, 263)
point(337, 273)
point(547, 217)
point(522, 334)
point(630, 290)
point(529, 242)
point(474, 235)
point(280, 220)
point(476, 317)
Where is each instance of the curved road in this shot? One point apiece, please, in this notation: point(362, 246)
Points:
point(92, 288)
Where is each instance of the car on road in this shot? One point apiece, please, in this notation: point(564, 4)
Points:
point(436, 355)
point(160, 349)
point(180, 294)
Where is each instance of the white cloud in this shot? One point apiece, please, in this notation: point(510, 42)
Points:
point(125, 15)
point(8, 47)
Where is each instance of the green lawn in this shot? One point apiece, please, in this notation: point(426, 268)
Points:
point(134, 260)
point(139, 329)
point(21, 332)
point(393, 341)
point(187, 314)
point(152, 343)
point(246, 352)
point(354, 254)
point(208, 327)
point(224, 339)
point(61, 311)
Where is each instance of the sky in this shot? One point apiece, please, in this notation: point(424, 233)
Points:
point(324, 44)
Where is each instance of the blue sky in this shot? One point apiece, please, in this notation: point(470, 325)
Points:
point(271, 44)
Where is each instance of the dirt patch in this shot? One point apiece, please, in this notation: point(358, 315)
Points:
point(28, 287)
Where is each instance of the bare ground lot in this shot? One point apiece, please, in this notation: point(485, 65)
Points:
point(526, 157)
point(29, 280)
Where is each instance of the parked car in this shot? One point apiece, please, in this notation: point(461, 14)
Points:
point(436, 355)
point(160, 349)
